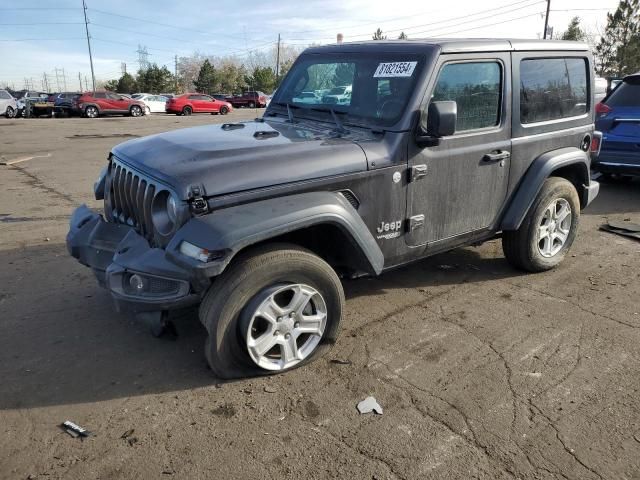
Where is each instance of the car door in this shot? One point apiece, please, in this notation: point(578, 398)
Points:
point(458, 187)
point(117, 103)
point(158, 104)
point(208, 104)
point(194, 100)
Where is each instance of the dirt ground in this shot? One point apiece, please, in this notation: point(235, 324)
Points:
point(482, 371)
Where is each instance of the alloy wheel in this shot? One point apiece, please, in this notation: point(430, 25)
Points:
point(284, 326)
point(554, 227)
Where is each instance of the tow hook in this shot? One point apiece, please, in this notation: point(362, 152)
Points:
point(158, 323)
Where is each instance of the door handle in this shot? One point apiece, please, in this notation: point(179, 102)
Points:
point(496, 156)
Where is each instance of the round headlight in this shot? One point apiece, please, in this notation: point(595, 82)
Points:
point(164, 212)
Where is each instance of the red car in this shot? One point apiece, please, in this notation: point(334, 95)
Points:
point(197, 103)
point(94, 104)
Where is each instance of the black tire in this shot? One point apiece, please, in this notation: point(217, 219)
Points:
point(249, 276)
point(10, 112)
point(522, 246)
point(187, 111)
point(91, 112)
point(224, 110)
point(251, 104)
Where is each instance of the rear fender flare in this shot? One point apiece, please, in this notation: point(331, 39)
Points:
point(542, 168)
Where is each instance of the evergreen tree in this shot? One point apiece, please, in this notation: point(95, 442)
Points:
point(127, 84)
point(618, 52)
point(206, 81)
point(155, 79)
point(343, 74)
point(402, 36)
point(574, 32)
point(378, 35)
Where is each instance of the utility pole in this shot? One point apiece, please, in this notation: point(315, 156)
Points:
point(175, 72)
point(45, 82)
point(86, 84)
point(86, 27)
point(123, 68)
point(546, 20)
point(64, 80)
point(57, 79)
point(80, 80)
point(278, 59)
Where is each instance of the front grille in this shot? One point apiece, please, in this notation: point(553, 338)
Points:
point(128, 199)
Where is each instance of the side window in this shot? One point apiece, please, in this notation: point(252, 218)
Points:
point(476, 87)
point(194, 97)
point(4, 95)
point(552, 88)
point(113, 96)
point(99, 95)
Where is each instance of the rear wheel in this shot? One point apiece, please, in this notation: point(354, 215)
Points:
point(135, 111)
point(224, 110)
point(10, 112)
point(548, 230)
point(91, 112)
point(187, 111)
point(275, 308)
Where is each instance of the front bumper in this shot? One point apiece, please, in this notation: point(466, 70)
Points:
point(117, 252)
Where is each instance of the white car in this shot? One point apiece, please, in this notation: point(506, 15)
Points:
point(154, 103)
point(307, 97)
point(338, 95)
point(8, 106)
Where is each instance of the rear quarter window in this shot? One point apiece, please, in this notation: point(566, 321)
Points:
point(553, 88)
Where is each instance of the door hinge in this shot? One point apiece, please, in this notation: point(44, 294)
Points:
point(417, 221)
point(417, 172)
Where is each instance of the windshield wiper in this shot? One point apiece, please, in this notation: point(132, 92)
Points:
point(337, 120)
point(289, 107)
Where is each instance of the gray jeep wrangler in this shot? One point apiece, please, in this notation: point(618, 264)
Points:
point(441, 144)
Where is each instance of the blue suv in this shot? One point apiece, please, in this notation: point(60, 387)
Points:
point(618, 118)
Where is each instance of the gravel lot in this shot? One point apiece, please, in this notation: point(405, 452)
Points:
point(483, 372)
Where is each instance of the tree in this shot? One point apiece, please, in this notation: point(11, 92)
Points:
point(155, 79)
point(574, 32)
point(378, 35)
point(127, 84)
point(111, 85)
point(262, 79)
point(402, 36)
point(284, 69)
point(206, 81)
point(618, 52)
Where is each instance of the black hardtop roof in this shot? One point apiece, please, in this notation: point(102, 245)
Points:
point(453, 45)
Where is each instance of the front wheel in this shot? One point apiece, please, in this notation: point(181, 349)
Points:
point(548, 230)
point(224, 110)
point(275, 308)
point(186, 111)
point(10, 112)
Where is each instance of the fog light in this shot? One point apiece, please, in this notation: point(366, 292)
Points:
point(136, 282)
point(201, 254)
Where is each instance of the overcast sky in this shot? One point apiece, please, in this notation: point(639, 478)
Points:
point(37, 38)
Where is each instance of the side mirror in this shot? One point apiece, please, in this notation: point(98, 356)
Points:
point(441, 122)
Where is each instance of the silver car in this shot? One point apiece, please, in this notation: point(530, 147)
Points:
point(8, 105)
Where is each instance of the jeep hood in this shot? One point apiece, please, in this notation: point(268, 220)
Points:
point(230, 158)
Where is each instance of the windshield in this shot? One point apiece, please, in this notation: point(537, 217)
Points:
point(367, 88)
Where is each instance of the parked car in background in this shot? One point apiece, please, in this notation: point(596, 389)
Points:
point(307, 97)
point(138, 95)
point(153, 103)
point(94, 104)
point(221, 96)
point(618, 118)
point(8, 104)
point(63, 103)
point(31, 96)
point(197, 103)
point(600, 89)
point(167, 95)
point(250, 99)
point(338, 95)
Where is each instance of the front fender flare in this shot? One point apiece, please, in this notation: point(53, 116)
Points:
point(232, 229)
point(531, 183)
